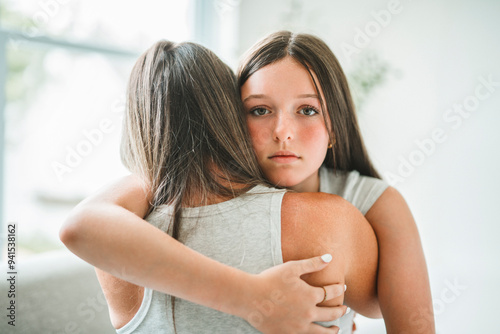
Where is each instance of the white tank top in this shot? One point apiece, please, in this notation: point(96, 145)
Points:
point(244, 233)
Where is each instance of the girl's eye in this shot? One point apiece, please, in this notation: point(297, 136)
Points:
point(259, 111)
point(308, 111)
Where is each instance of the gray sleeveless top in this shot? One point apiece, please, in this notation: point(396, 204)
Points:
point(361, 191)
point(244, 233)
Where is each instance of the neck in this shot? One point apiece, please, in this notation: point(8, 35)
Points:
point(197, 198)
point(309, 185)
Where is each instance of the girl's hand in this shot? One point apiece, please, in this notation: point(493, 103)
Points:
point(281, 302)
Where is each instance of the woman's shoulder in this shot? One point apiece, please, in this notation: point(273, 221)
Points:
point(321, 208)
point(317, 223)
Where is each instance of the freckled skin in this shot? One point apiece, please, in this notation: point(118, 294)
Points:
point(284, 113)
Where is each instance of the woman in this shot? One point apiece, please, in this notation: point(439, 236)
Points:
point(185, 138)
point(270, 77)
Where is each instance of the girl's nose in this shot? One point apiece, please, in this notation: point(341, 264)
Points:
point(283, 130)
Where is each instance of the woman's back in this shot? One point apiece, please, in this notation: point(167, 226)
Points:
point(247, 233)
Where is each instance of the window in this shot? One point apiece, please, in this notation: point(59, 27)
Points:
point(63, 82)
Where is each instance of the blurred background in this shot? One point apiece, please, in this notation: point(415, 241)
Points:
point(425, 76)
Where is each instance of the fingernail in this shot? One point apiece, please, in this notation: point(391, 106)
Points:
point(326, 258)
point(345, 287)
point(347, 310)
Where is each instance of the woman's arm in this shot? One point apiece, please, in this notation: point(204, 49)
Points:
point(403, 282)
point(107, 231)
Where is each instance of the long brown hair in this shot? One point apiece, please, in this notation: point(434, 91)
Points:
point(184, 130)
point(348, 151)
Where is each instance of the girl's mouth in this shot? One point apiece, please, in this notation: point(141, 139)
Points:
point(284, 157)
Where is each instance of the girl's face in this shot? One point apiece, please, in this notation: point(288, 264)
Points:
point(287, 126)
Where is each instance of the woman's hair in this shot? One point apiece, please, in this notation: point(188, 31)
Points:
point(184, 130)
point(348, 152)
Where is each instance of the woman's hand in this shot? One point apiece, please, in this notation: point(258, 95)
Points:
point(279, 301)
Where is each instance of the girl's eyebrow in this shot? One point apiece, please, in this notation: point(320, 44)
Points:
point(314, 96)
point(263, 96)
point(255, 96)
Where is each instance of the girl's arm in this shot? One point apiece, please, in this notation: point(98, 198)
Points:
point(107, 231)
point(403, 283)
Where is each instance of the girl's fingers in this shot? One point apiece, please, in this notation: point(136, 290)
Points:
point(311, 265)
point(332, 291)
point(330, 313)
point(318, 329)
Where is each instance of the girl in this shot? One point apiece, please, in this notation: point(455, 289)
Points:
point(185, 139)
point(284, 122)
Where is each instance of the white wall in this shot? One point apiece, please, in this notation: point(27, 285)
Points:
point(438, 52)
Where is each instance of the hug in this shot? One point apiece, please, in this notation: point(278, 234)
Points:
point(252, 204)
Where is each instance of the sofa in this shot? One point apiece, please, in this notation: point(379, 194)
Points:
point(55, 292)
